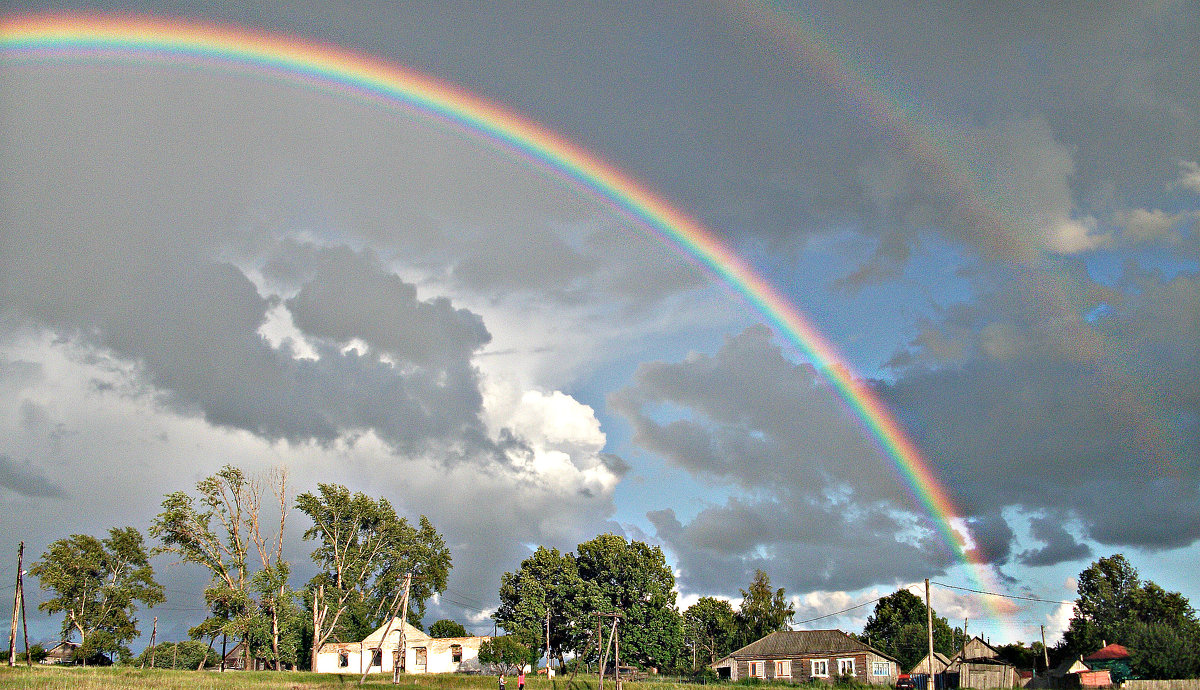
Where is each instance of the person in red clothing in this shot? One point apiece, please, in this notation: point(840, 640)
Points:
point(521, 679)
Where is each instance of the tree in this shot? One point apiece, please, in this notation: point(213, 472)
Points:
point(634, 579)
point(899, 627)
point(97, 584)
point(1112, 598)
point(1160, 651)
point(547, 581)
point(506, 654)
point(219, 529)
point(187, 654)
point(363, 551)
point(447, 628)
point(763, 611)
point(709, 624)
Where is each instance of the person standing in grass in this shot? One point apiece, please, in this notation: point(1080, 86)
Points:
point(521, 679)
point(501, 681)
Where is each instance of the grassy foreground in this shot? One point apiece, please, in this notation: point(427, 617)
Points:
point(124, 677)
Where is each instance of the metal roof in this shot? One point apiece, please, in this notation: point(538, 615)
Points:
point(805, 642)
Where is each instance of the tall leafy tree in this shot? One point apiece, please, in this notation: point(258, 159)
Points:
point(363, 551)
point(1112, 597)
point(545, 582)
point(899, 627)
point(634, 579)
point(709, 625)
point(1161, 651)
point(506, 654)
point(97, 584)
point(447, 628)
point(763, 610)
point(220, 528)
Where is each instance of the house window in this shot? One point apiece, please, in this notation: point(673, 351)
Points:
point(758, 669)
point(820, 668)
point(881, 668)
point(422, 656)
point(343, 660)
point(783, 669)
point(845, 667)
point(377, 658)
point(456, 653)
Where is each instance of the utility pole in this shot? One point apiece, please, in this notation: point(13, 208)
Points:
point(929, 619)
point(613, 637)
point(401, 653)
point(966, 638)
point(1045, 653)
point(548, 676)
point(17, 606)
point(24, 618)
point(153, 635)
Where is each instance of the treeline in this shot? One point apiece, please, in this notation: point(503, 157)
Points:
point(233, 525)
point(568, 595)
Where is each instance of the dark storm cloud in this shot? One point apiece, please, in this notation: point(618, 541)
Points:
point(25, 479)
point(1016, 421)
point(754, 413)
point(826, 512)
point(350, 296)
point(803, 544)
point(1058, 544)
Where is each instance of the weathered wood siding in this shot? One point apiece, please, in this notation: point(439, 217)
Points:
point(801, 667)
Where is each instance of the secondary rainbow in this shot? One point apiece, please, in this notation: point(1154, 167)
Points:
point(47, 37)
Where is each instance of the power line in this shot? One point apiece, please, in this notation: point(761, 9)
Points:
point(1006, 596)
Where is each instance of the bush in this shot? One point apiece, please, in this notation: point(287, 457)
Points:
point(190, 653)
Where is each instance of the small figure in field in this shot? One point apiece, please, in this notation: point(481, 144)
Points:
point(501, 681)
point(521, 680)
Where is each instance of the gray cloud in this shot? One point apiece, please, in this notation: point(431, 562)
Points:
point(25, 479)
point(1058, 544)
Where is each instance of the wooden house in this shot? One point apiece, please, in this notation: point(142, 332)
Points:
point(235, 660)
point(940, 662)
point(809, 655)
point(61, 653)
point(978, 665)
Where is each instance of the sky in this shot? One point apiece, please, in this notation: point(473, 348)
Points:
point(991, 212)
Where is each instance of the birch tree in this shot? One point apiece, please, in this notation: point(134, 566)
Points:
point(222, 528)
point(97, 583)
point(363, 551)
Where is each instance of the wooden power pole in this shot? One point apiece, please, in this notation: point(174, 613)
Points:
point(929, 619)
point(17, 607)
point(402, 649)
point(1045, 653)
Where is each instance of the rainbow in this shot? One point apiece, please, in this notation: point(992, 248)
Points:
point(918, 141)
point(71, 36)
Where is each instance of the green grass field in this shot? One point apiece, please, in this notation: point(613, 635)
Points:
point(121, 677)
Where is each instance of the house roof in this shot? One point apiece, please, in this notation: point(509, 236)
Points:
point(1112, 651)
point(923, 665)
point(960, 654)
point(802, 642)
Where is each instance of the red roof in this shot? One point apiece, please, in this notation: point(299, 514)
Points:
point(1112, 651)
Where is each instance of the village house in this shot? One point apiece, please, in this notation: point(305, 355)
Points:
point(422, 653)
point(978, 665)
point(235, 660)
point(809, 655)
point(940, 663)
point(61, 653)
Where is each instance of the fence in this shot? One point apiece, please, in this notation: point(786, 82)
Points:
point(1187, 684)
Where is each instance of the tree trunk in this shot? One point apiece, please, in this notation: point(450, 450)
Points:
point(316, 641)
point(275, 635)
